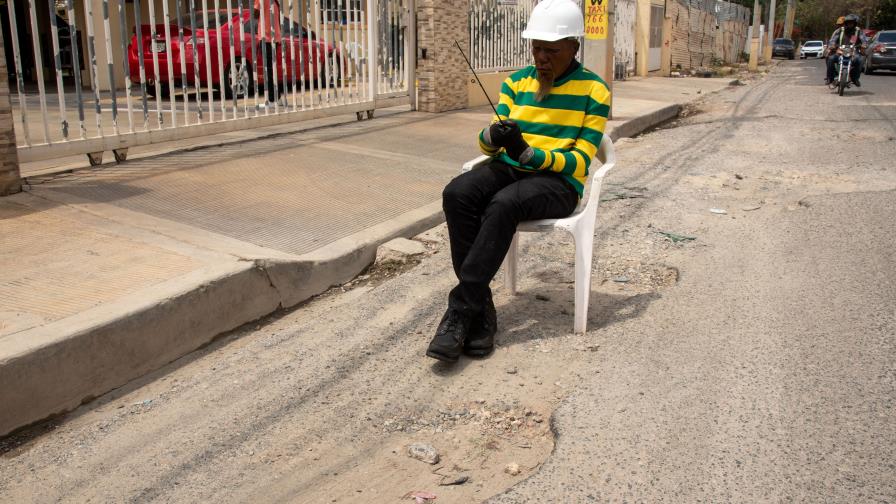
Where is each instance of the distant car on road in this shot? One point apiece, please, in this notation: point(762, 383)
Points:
point(812, 49)
point(783, 47)
point(881, 52)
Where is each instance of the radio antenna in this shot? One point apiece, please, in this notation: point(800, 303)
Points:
point(480, 82)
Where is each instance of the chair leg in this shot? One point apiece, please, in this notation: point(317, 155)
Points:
point(510, 265)
point(584, 254)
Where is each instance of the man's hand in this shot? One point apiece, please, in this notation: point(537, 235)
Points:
point(507, 134)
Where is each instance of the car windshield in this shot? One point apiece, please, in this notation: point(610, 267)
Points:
point(783, 41)
point(813, 43)
point(887, 37)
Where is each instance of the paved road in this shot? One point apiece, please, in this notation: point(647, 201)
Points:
point(752, 364)
point(767, 374)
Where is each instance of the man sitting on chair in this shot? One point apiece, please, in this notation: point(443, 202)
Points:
point(553, 115)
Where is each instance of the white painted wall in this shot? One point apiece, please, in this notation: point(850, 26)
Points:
point(624, 33)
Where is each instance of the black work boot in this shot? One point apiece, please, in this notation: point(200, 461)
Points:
point(448, 342)
point(481, 340)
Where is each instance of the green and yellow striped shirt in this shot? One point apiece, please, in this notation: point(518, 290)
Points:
point(564, 129)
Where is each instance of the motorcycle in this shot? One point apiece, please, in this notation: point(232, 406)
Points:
point(843, 65)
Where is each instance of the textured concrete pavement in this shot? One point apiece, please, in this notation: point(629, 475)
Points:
point(118, 269)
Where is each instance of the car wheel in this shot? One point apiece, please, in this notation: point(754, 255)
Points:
point(237, 82)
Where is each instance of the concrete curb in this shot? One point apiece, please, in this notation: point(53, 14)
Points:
point(55, 368)
point(643, 123)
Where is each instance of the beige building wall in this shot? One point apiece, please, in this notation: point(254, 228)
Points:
point(642, 36)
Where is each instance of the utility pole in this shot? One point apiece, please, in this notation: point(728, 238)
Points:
point(754, 39)
point(770, 28)
point(788, 19)
point(598, 54)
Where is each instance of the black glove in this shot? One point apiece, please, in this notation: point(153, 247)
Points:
point(507, 134)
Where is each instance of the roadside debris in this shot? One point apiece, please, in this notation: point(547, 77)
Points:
point(424, 453)
point(420, 496)
point(512, 469)
point(675, 237)
point(718, 211)
point(542, 297)
point(619, 195)
point(621, 279)
point(456, 480)
point(751, 208)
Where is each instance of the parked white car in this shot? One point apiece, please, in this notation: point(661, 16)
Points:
point(812, 49)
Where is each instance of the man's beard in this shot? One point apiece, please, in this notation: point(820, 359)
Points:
point(545, 84)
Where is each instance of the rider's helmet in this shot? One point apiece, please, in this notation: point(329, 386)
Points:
point(840, 20)
point(852, 18)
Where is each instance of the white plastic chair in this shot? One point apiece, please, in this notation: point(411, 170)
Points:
point(580, 224)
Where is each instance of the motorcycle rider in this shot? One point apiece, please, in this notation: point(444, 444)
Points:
point(849, 33)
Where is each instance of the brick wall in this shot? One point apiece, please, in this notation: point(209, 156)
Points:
point(442, 73)
point(9, 161)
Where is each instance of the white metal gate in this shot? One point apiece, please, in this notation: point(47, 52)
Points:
point(136, 72)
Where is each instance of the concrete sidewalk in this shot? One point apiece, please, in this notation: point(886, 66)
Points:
point(107, 273)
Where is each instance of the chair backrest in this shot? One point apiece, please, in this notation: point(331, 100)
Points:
point(591, 196)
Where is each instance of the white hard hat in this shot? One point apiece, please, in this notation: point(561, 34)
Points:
point(553, 20)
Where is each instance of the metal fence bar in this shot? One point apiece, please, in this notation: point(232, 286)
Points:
point(39, 67)
point(372, 76)
point(326, 60)
point(272, 30)
point(155, 61)
point(228, 75)
point(140, 56)
point(243, 64)
point(110, 64)
point(357, 53)
point(208, 63)
point(292, 52)
point(252, 60)
point(262, 28)
point(183, 61)
point(196, 80)
point(91, 53)
point(57, 59)
point(169, 63)
point(339, 54)
point(317, 58)
point(283, 68)
point(20, 82)
point(218, 27)
point(122, 22)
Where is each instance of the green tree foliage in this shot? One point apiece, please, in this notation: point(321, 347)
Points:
point(816, 18)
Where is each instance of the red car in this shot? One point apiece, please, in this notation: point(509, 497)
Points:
point(310, 55)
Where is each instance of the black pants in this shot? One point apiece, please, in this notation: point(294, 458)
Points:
point(855, 71)
point(269, 53)
point(482, 209)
